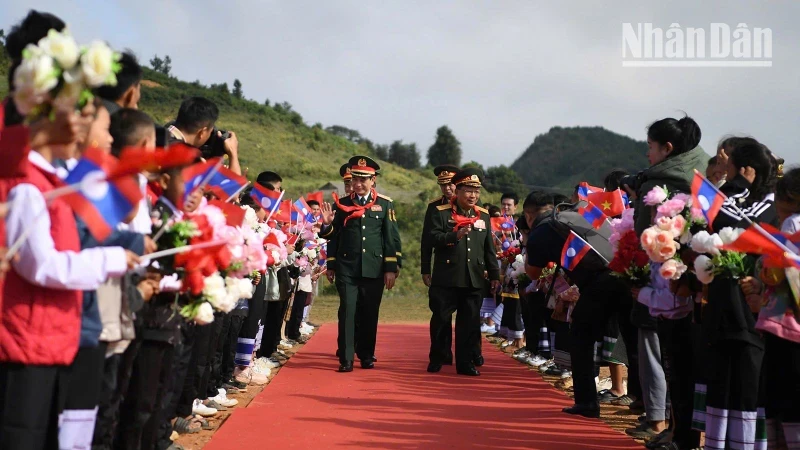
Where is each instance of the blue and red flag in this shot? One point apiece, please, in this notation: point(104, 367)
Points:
point(195, 175)
point(101, 204)
point(303, 211)
point(268, 199)
point(593, 215)
point(707, 197)
point(573, 251)
point(500, 224)
point(584, 189)
point(228, 181)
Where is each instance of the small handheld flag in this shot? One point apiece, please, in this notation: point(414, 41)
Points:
point(500, 224)
point(227, 180)
point(101, 204)
point(234, 215)
point(584, 189)
point(267, 199)
point(593, 215)
point(316, 196)
point(706, 197)
point(198, 175)
point(134, 160)
point(611, 203)
point(304, 210)
point(573, 251)
point(284, 212)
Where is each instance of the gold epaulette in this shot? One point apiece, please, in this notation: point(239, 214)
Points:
point(385, 197)
point(483, 210)
point(443, 207)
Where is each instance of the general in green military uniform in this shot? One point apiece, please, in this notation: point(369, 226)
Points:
point(441, 327)
point(363, 257)
point(461, 236)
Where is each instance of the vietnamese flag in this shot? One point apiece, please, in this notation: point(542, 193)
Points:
point(284, 212)
point(316, 196)
point(101, 204)
point(611, 203)
point(234, 215)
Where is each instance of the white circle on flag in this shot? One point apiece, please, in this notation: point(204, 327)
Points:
point(305, 211)
point(703, 202)
point(571, 252)
point(94, 185)
point(266, 202)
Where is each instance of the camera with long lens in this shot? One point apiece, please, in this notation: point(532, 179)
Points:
point(632, 181)
point(215, 145)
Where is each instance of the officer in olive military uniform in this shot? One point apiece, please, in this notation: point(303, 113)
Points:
point(347, 178)
point(440, 330)
point(363, 257)
point(462, 240)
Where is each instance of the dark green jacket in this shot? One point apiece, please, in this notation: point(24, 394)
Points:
point(426, 246)
point(462, 263)
point(675, 173)
point(366, 247)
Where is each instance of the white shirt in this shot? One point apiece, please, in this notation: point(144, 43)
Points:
point(39, 262)
point(141, 223)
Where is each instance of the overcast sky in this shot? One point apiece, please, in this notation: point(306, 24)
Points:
point(497, 72)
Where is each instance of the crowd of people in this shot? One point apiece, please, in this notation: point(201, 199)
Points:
point(133, 306)
point(696, 292)
point(134, 299)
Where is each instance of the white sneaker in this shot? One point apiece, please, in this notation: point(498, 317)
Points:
point(222, 399)
point(566, 374)
point(536, 361)
point(603, 383)
point(543, 368)
point(521, 355)
point(486, 328)
point(268, 362)
point(199, 408)
point(260, 367)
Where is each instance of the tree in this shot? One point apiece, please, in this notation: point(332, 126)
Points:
point(503, 179)
point(404, 155)
point(237, 89)
point(382, 152)
point(161, 65)
point(446, 149)
point(475, 164)
point(266, 102)
point(2, 36)
point(167, 68)
point(157, 63)
point(347, 133)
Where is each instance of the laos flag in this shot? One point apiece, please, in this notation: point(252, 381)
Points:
point(303, 211)
point(198, 175)
point(593, 215)
point(573, 251)
point(268, 199)
point(584, 189)
point(707, 197)
point(99, 203)
point(229, 181)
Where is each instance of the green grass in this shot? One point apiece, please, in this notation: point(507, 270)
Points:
point(396, 307)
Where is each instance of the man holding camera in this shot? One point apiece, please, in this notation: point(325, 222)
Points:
point(195, 126)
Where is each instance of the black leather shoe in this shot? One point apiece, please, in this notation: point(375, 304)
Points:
point(368, 363)
point(346, 367)
point(478, 361)
point(447, 362)
point(434, 367)
point(583, 410)
point(469, 371)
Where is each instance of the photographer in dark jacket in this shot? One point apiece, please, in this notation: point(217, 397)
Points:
point(194, 126)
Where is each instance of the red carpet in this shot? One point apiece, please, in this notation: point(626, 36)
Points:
point(398, 405)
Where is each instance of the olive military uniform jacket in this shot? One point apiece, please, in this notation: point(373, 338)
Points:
point(426, 247)
point(462, 263)
point(368, 246)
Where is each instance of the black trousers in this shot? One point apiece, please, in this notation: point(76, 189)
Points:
point(679, 338)
point(116, 379)
point(255, 317)
point(359, 301)
point(205, 366)
point(230, 341)
point(296, 318)
point(217, 378)
point(31, 397)
point(466, 303)
point(273, 321)
point(535, 315)
point(84, 384)
point(441, 328)
point(584, 368)
point(150, 378)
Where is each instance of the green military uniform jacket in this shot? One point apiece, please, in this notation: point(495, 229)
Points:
point(426, 247)
point(461, 263)
point(366, 247)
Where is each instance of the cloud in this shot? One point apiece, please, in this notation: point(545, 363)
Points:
point(498, 73)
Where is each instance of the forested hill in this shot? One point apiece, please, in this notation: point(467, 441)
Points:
point(563, 157)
